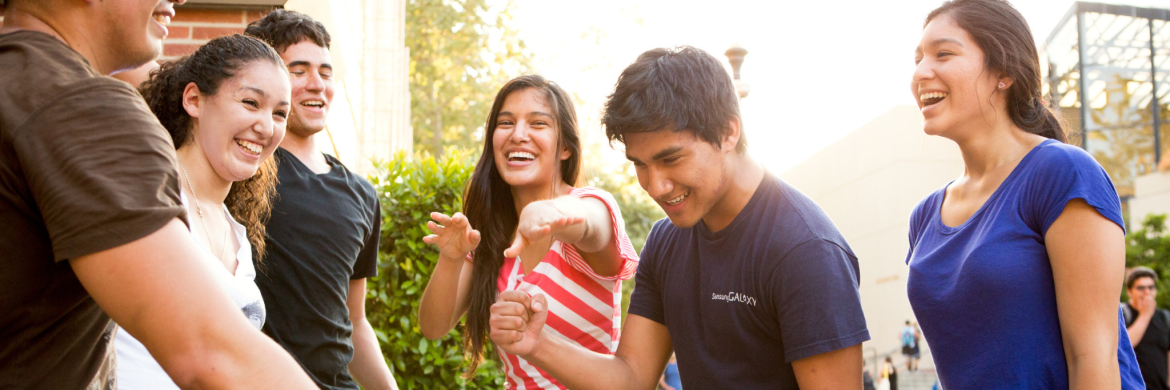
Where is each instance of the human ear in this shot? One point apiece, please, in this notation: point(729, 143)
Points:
point(1004, 83)
point(731, 138)
point(192, 99)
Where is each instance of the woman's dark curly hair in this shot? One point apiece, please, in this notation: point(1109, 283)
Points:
point(249, 200)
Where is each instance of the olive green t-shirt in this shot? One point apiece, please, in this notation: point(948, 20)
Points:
point(84, 167)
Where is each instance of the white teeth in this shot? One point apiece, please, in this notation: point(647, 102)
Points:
point(313, 103)
point(932, 95)
point(253, 147)
point(164, 20)
point(677, 200)
point(524, 155)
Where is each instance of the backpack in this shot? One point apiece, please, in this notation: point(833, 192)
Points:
point(907, 338)
point(1130, 316)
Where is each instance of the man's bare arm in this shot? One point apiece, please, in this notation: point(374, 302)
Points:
point(840, 369)
point(637, 364)
point(161, 290)
point(368, 366)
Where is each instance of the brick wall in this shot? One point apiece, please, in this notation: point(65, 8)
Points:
point(192, 27)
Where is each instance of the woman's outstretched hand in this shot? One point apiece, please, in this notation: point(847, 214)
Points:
point(541, 219)
point(453, 235)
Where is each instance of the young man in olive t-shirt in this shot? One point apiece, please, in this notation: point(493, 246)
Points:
point(90, 218)
point(323, 234)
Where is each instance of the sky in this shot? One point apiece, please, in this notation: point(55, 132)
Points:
point(817, 69)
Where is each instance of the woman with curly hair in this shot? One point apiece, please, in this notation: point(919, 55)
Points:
point(225, 107)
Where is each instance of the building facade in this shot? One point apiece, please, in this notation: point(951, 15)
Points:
point(1108, 72)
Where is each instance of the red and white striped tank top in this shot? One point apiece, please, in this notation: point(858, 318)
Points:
point(583, 306)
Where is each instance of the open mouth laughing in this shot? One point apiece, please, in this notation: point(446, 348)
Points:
point(931, 98)
point(250, 148)
point(521, 156)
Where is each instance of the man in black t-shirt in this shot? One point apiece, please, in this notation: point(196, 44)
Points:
point(91, 226)
point(749, 282)
point(1148, 326)
point(322, 237)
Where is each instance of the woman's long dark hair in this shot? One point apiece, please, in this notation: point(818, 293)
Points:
point(1003, 35)
point(490, 209)
point(249, 200)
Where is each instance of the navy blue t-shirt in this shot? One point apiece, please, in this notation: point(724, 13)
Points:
point(983, 291)
point(776, 285)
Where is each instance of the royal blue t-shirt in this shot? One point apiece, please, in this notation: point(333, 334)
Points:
point(776, 285)
point(983, 291)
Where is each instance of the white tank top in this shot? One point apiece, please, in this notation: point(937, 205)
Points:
point(137, 369)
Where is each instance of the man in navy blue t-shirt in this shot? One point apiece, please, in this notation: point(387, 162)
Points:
point(750, 283)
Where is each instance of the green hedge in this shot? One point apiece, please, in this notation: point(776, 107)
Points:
point(410, 189)
point(1150, 246)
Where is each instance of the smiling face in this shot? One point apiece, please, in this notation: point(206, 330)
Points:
point(524, 142)
point(954, 90)
point(134, 31)
point(684, 174)
point(311, 73)
point(243, 123)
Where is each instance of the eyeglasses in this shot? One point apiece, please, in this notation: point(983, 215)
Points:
point(1145, 288)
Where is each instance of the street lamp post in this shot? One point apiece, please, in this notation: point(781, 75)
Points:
point(735, 56)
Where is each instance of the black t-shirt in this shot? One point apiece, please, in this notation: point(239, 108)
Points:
point(1152, 349)
point(323, 233)
point(84, 167)
point(776, 285)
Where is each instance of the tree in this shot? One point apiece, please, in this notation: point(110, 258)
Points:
point(1150, 247)
point(461, 52)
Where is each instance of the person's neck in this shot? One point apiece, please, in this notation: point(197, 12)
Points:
point(990, 147)
point(305, 149)
point(63, 27)
point(200, 178)
point(744, 175)
point(523, 196)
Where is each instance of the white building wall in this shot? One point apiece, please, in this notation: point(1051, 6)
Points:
point(1151, 196)
point(868, 182)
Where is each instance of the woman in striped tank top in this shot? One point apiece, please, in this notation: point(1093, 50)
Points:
point(527, 228)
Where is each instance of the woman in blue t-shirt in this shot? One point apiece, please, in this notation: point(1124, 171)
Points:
point(1014, 266)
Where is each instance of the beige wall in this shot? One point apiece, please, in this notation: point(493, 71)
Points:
point(1151, 195)
point(371, 107)
point(868, 182)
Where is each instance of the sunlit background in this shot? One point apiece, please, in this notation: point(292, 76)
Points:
point(817, 70)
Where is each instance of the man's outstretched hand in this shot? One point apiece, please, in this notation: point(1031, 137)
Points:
point(517, 320)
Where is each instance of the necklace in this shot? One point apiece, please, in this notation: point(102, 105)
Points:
point(199, 209)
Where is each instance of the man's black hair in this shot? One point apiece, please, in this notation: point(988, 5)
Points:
point(677, 89)
point(283, 28)
point(1138, 273)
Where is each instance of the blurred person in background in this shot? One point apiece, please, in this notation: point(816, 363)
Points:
point(1148, 327)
